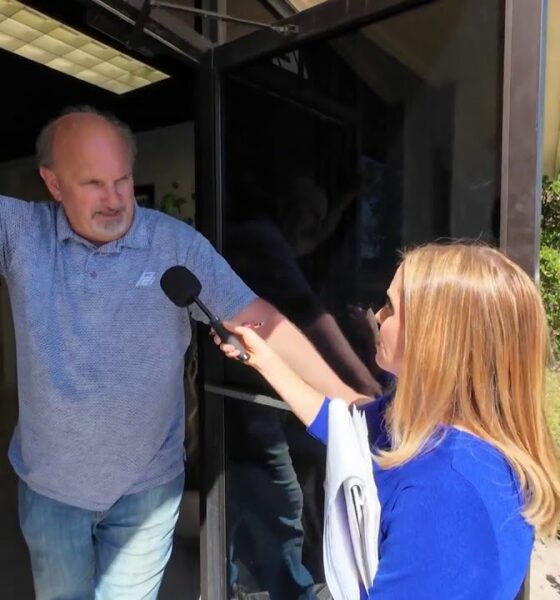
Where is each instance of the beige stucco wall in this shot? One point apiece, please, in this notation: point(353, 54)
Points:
point(551, 152)
point(434, 42)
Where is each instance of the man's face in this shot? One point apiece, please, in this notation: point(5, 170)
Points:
point(91, 176)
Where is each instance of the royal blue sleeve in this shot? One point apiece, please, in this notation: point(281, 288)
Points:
point(375, 419)
point(319, 428)
point(373, 410)
point(437, 542)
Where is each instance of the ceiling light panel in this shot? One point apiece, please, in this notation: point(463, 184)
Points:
point(35, 36)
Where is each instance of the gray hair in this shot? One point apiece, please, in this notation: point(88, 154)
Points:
point(45, 139)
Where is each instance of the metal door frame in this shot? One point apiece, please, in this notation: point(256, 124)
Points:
point(521, 174)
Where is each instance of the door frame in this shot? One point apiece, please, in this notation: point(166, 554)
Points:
point(521, 174)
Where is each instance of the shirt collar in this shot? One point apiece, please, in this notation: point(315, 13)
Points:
point(135, 237)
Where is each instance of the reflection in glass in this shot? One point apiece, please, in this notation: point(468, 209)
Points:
point(271, 462)
point(338, 154)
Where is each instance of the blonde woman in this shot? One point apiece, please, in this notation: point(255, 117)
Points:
point(464, 463)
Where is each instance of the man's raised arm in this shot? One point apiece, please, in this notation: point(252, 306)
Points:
point(294, 348)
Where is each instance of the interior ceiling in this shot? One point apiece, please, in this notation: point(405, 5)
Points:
point(34, 93)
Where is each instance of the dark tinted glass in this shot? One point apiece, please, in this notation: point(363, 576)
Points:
point(339, 154)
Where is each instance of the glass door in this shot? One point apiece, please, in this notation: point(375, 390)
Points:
point(321, 156)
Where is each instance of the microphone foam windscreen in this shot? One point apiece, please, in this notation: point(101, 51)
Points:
point(180, 285)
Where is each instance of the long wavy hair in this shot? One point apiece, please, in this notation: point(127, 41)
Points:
point(476, 351)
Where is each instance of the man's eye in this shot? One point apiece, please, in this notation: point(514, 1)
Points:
point(123, 181)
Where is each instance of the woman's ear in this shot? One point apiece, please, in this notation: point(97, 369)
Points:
point(51, 181)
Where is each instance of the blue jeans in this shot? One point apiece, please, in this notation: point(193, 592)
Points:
point(79, 554)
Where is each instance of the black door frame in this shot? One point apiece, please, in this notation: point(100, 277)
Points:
point(521, 174)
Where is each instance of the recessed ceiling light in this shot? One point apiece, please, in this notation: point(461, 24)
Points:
point(40, 38)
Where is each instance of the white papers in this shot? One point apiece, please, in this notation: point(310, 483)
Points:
point(352, 509)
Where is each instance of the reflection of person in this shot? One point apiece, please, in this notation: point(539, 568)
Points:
point(464, 462)
point(265, 504)
point(99, 442)
point(264, 249)
point(265, 495)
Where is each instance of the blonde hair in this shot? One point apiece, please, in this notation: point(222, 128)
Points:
point(475, 356)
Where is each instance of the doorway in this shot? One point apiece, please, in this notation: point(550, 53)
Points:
point(162, 116)
point(367, 128)
point(372, 129)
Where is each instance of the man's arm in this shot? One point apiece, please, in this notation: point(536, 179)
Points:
point(327, 337)
point(14, 216)
point(296, 350)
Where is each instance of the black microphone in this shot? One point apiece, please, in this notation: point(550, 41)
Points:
point(182, 287)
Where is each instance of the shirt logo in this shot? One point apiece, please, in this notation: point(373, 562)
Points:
point(146, 279)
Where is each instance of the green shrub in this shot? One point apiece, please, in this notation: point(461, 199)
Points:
point(550, 257)
point(550, 224)
point(553, 404)
point(550, 290)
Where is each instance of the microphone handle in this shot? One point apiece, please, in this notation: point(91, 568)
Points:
point(228, 338)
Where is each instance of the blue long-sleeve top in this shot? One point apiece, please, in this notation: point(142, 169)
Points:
point(451, 523)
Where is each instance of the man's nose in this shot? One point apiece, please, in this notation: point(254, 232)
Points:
point(113, 199)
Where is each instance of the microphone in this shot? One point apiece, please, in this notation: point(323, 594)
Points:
point(182, 287)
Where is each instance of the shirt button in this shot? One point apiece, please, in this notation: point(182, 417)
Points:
point(93, 274)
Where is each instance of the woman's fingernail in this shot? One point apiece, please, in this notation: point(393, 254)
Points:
point(253, 324)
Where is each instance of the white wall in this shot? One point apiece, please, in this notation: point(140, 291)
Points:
point(452, 43)
point(166, 155)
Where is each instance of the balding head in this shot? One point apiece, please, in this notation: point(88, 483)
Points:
point(73, 119)
point(85, 160)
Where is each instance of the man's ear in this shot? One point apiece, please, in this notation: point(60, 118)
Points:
point(51, 182)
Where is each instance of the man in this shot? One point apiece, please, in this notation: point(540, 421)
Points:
point(99, 442)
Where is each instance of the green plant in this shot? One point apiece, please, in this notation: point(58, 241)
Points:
point(550, 290)
point(550, 257)
point(171, 202)
point(553, 404)
point(550, 224)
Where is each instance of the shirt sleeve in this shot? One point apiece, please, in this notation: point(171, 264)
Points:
point(437, 542)
point(14, 215)
point(374, 412)
point(319, 428)
point(223, 292)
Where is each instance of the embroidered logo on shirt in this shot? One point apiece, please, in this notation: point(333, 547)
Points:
point(146, 279)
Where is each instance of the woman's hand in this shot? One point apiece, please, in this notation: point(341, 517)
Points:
point(260, 353)
point(301, 397)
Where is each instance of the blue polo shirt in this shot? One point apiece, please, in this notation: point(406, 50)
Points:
point(100, 349)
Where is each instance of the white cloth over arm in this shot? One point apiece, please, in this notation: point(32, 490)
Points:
point(352, 509)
